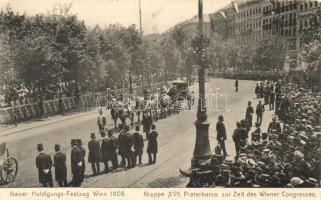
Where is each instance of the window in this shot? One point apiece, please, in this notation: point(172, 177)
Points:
point(315, 4)
point(311, 4)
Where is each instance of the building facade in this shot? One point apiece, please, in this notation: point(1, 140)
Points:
point(259, 19)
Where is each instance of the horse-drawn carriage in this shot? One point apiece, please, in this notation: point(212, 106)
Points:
point(8, 165)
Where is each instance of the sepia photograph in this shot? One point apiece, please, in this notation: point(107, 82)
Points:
point(160, 94)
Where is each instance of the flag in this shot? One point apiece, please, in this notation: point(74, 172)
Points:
point(223, 14)
point(236, 7)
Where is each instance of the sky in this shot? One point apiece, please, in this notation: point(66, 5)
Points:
point(157, 15)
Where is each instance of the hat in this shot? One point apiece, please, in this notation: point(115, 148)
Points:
point(153, 126)
point(299, 154)
point(57, 147)
point(73, 142)
point(92, 135)
point(250, 163)
point(312, 181)
point(295, 181)
point(266, 151)
point(40, 147)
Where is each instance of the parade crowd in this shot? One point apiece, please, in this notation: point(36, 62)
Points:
point(106, 149)
point(287, 154)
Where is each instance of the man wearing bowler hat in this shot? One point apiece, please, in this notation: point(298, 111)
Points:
point(60, 166)
point(44, 165)
point(94, 154)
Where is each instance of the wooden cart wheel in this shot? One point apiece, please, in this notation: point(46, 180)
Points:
point(9, 170)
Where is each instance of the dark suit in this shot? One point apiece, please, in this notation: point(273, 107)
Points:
point(108, 152)
point(152, 147)
point(248, 115)
point(44, 162)
point(274, 126)
point(237, 140)
point(76, 157)
point(60, 168)
point(138, 146)
point(221, 135)
point(94, 155)
point(83, 153)
point(259, 113)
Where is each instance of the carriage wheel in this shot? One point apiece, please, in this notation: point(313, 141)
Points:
point(9, 170)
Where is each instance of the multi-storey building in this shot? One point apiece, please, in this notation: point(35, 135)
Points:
point(259, 19)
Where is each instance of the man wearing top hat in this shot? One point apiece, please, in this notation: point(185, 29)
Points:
point(60, 166)
point(138, 144)
point(76, 158)
point(152, 147)
point(83, 152)
point(94, 154)
point(44, 165)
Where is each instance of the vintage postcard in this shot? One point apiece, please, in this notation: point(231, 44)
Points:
point(160, 99)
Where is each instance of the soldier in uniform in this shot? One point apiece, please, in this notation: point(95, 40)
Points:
point(221, 134)
point(44, 165)
point(60, 167)
point(94, 154)
point(138, 145)
point(101, 121)
point(76, 159)
point(152, 147)
point(249, 114)
point(259, 112)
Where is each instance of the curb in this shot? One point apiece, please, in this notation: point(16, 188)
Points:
point(45, 124)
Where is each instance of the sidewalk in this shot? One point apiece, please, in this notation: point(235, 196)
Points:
point(36, 123)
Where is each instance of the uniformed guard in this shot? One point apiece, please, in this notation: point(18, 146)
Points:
point(44, 165)
point(152, 147)
point(76, 158)
point(274, 126)
point(94, 154)
point(60, 166)
point(221, 134)
point(138, 144)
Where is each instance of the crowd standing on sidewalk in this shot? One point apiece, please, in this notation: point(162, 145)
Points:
point(287, 156)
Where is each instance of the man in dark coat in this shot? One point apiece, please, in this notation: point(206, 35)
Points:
point(236, 85)
point(44, 165)
point(113, 149)
point(105, 151)
point(152, 147)
point(249, 114)
point(271, 97)
point(147, 122)
point(83, 152)
point(236, 138)
point(244, 134)
point(94, 154)
point(221, 134)
point(126, 140)
point(138, 144)
point(274, 126)
point(259, 112)
point(257, 90)
point(76, 159)
point(101, 121)
point(60, 166)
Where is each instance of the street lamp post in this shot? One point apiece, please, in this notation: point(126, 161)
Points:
point(202, 149)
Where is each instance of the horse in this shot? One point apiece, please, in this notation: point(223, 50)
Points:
point(164, 105)
point(122, 111)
